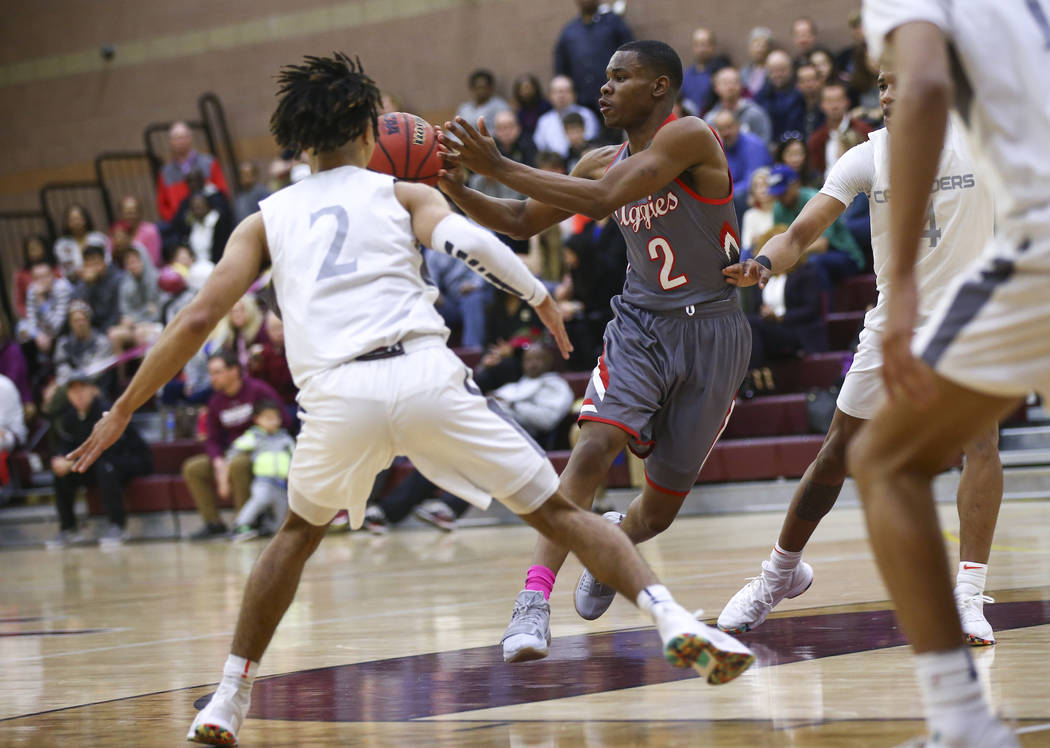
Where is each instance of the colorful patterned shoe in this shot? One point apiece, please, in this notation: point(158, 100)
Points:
point(220, 720)
point(975, 626)
point(715, 655)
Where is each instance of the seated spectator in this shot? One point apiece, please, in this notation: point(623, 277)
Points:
point(241, 329)
point(47, 303)
point(270, 448)
point(83, 350)
point(541, 399)
point(412, 495)
point(824, 64)
point(78, 232)
point(529, 102)
point(483, 101)
point(512, 143)
point(144, 232)
point(511, 325)
point(544, 258)
point(269, 364)
point(206, 232)
point(139, 303)
point(463, 296)
point(172, 188)
point(838, 134)
point(211, 476)
point(12, 420)
point(779, 97)
point(575, 133)
point(250, 194)
point(13, 366)
point(127, 458)
point(809, 84)
point(550, 128)
point(758, 218)
point(696, 79)
point(804, 39)
point(759, 45)
point(744, 152)
point(835, 255)
point(752, 118)
point(792, 151)
point(34, 250)
point(789, 321)
point(847, 58)
point(99, 286)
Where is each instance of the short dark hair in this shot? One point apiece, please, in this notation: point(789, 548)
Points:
point(228, 358)
point(266, 404)
point(481, 74)
point(89, 223)
point(658, 57)
point(550, 159)
point(839, 85)
point(94, 250)
point(30, 239)
point(572, 118)
point(325, 103)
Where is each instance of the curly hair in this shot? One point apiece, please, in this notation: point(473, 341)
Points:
point(324, 103)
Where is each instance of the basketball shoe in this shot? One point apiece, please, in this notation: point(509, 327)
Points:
point(970, 602)
point(528, 637)
point(220, 720)
point(715, 655)
point(984, 732)
point(750, 606)
point(593, 598)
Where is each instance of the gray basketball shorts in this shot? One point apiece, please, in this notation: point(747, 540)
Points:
point(669, 380)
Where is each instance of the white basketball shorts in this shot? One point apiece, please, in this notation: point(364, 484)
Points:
point(862, 392)
point(424, 405)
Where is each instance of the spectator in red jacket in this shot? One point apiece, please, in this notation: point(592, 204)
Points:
point(171, 182)
point(210, 476)
point(838, 134)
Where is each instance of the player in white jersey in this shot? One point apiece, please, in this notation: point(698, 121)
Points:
point(959, 223)
point(367, 350)
point(987, 344)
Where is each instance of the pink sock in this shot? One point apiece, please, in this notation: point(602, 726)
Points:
point(541, 579)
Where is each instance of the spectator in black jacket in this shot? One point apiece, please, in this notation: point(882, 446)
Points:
point(99, 286)
point(129, 457)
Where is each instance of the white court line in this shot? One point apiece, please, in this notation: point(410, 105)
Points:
point(1032, 728)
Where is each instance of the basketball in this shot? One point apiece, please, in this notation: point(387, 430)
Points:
point(406, 149)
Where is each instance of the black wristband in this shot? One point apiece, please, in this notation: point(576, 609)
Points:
point(764, 262)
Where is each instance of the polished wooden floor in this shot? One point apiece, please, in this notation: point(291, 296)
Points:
point(391, 642)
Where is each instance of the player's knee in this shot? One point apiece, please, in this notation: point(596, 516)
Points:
point(303, 536)
point(656, 520)
point(596, 448)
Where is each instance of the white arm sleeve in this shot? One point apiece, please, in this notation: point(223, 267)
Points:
point(488, 257)
point(883, 16)
point(852, 174)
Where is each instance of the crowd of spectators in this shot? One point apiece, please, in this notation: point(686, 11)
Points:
point(91, 302)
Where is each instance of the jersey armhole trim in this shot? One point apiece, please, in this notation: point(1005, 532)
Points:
point(708, 200)
point(615, 158)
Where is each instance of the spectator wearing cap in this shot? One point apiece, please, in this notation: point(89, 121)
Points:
point(779, 97)
point(127, 458)
point(78, 232)
point(839, 133)
point(583, 49)
point(211, 476)
point(835, 254)
point(697, 78)
point(99, 286)
point(751, 116)
point(172, 188)
point(744, 152)
point(550, 128)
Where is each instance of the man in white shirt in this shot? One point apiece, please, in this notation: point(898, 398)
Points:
point(550, 130)
point(960, 222)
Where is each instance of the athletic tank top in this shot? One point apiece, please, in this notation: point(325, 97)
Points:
point(347, 271)
point(677, 244)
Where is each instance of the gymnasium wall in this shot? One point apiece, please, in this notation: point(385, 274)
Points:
point(62, 103)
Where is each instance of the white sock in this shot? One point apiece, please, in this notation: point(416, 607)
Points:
point(951, 691)
point(239, 672)
point(973, 574)
point(652, 597)
point(784, 560)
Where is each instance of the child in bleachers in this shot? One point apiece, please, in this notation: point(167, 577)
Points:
point(271, 448)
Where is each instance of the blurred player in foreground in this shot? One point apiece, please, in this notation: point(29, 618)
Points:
point(988, 343)
point(958, 226)
point(367, 350)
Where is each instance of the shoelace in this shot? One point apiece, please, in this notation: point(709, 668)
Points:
point(970, 602)
point(756, 583)
point(598, 589)
point(527, 613)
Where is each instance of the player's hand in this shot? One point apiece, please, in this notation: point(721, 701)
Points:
point(476, 150)
point(747, 273)
point(452, 179)
point(905, 376)
point(550, 315)
point(106, 431)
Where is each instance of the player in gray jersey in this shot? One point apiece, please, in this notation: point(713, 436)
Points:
point(677, 347)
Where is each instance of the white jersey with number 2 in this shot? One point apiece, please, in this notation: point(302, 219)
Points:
point(347, 269)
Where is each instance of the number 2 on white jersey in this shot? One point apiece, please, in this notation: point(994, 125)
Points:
point(657, 245)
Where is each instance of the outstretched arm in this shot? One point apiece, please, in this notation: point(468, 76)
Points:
point(241, 264)
point(677, 147)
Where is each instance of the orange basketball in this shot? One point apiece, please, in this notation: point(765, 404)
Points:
point(406, 149)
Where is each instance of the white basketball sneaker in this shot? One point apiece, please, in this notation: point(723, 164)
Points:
point(983, 733)
point(219, 722)
point(750, 606)
point(593, 598)
point(716, 656)
point(528, 637)
point(975, 626)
